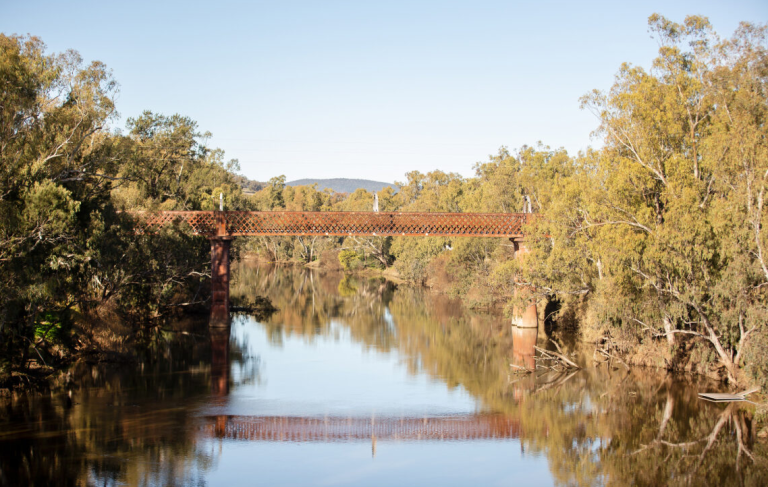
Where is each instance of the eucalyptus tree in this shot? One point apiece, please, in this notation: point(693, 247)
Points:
point(57, 162)
point(65, 248)
point(669, 213)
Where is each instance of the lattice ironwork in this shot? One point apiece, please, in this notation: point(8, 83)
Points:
point(199, 222)
point(334, 223)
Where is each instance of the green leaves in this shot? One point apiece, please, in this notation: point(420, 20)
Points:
point(49, 210)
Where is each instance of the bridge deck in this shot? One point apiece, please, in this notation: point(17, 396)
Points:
point(335, 223)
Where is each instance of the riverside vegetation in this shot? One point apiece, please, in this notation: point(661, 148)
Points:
point(653, 246)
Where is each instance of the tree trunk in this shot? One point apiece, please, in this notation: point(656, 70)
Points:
point(668, 330)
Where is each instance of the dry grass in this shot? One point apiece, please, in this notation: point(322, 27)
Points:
point(103, 330)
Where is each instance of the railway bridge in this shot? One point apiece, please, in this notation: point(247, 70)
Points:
point(223, 226)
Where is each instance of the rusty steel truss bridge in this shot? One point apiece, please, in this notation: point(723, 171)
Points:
point(336, 223)
point(222, 226)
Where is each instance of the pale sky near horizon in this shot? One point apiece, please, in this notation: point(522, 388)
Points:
point(360, 89)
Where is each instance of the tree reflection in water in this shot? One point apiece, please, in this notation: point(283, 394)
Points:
point(597, 426)
point(114, 425)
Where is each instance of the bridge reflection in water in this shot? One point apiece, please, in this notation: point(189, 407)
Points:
point(347, 429)
point(220, 367)
point(523, 352)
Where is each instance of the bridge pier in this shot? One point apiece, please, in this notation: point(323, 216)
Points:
point(528, 316)
point(220, 280)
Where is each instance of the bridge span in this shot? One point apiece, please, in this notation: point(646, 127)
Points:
point(222, 226)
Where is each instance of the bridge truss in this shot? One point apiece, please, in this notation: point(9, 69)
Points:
point(336, 223)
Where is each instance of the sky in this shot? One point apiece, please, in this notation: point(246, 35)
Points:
point(365, 89)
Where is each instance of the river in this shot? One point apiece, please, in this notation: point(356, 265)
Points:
point(356, 381)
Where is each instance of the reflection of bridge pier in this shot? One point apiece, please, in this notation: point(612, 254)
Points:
point(219, 359)
point(523, 343)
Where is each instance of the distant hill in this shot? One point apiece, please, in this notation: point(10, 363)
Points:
point(249, 186)
point(343, 185)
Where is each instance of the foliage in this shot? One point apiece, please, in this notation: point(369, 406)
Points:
point(668, 217)
point(412, 256)
point(66, 250)
point(349, 259)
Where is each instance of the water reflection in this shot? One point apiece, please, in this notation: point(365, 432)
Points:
point(346, 361)
point(113, 424)
point(524, 347)
point(220, 365)
point(328, 429)
point(596, 426)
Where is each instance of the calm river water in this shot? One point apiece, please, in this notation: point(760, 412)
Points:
point(356, 382)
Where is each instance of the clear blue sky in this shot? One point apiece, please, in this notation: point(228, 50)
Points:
point(364, 89)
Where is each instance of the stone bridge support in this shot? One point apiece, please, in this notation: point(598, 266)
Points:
point(525, 324)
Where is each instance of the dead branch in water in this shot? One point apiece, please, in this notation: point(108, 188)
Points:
point(609, 357)
point(521, 370)
point(605, 352)
point(556, 357)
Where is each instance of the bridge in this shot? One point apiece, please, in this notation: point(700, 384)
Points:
point(222, 226)
point(336, 429)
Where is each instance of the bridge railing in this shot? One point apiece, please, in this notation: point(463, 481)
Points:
point(335, 223)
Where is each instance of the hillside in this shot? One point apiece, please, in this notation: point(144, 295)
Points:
point(343, 185)
point(249, 186)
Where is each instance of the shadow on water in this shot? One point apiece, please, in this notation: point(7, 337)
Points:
point(598, 426)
